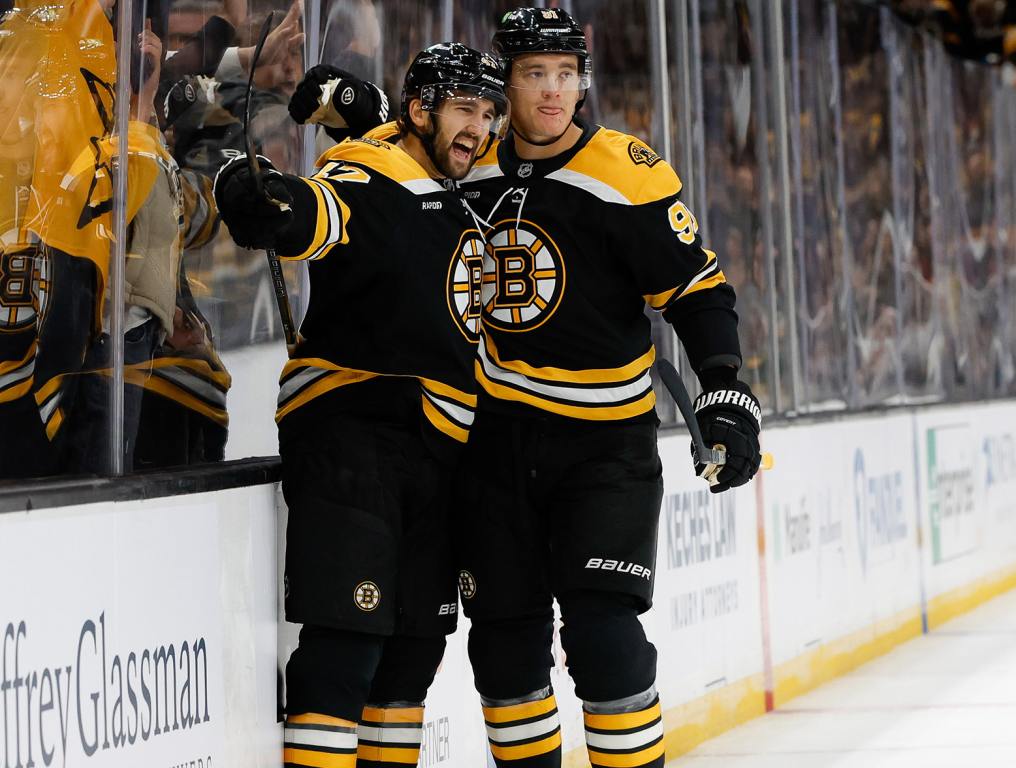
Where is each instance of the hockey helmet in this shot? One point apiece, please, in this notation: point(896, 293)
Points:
point(543, 30)
point(448, 70)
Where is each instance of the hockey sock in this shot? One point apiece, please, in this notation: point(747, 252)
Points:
point(524, 732)
point(319, 741)
point(390, 735)
point(626, 733)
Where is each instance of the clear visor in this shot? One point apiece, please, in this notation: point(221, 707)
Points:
point(533, 75)
point(487, 111)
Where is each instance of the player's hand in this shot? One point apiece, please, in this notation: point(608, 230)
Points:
point(254, 218)
point(335, 98)
point(729, 415)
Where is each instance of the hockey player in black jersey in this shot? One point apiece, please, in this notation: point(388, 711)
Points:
point(375, 404)
point(583, 228)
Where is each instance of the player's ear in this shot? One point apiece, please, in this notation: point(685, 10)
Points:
point(419, 116)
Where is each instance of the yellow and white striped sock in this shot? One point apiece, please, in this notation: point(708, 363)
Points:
point(319, 741)
point(524, 733)
point(390, 735)
point(632, 739)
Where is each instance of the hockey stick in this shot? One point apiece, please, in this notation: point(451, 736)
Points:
point(274, 265)
point(714, 458)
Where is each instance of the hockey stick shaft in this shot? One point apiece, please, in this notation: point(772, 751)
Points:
point(274, 265)
point(675, 386)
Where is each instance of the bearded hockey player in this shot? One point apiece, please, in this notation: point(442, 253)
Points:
point(374, 405)
point(583, 228)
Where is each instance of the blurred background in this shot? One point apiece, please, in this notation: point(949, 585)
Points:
point(852, 164)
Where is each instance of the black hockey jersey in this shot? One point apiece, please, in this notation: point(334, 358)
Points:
point(395, 273)
point(576, 246)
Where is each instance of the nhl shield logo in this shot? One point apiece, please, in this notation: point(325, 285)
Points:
point(367, 595)
point(640, 154)
point(467, 584)
point(525, 170)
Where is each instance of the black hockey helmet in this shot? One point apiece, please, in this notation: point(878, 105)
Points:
point(453, 69)
point(542, 30)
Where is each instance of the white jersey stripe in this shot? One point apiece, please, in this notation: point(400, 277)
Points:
point(18, 374)
point(594, 186)
point(579, 395)
point(193, 383)
point(422, 186)
point(462, 415)
point(297, 382)
point(483, 172)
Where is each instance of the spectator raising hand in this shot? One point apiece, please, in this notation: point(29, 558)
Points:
point(281, 62)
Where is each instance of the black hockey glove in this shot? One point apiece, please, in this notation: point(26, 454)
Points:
point(255, 219)
point(729, 415)
point(337, 99)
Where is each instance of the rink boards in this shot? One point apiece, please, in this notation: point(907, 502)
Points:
point(145, 632)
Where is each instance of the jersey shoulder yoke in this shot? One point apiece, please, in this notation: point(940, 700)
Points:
point(383, 158)
point(620, 168)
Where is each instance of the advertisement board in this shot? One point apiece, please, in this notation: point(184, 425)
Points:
point(967, 465)
point(120, 642)
point(841, 531)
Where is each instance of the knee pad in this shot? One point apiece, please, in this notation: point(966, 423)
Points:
point(406, 669)
point(330, 672)
point(511, 657)
point(608, 655)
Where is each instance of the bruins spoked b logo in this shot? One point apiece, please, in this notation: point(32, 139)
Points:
point(467, 584)
point(465, 284)
point(523, 276)
point(366, 596)
point(24, 287)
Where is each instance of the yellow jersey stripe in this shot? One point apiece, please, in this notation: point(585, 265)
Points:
point(13, 365)
point(588, 376)
point(660, 300)
point(706, 284)
point(54, 424)
point(18, 390)
point(325, 384)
